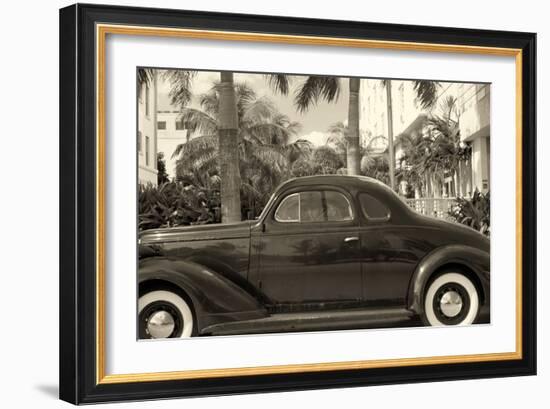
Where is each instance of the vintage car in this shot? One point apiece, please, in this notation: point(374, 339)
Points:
point(327, 252)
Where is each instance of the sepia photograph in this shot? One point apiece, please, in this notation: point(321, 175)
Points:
point(280, 202)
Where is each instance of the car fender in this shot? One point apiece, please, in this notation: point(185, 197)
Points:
point(214, 297)
point(475, 260)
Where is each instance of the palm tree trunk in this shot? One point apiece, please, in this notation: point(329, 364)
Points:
point(353, 149)
point(230, 188)
point(469, 176)
point(427, 183)
point(435, 190)
point(459, 180)
point(390, 134)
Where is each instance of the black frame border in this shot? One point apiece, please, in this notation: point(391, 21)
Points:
point(78, 197)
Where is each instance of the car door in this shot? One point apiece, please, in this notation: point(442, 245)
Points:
point(309, 251)
point(389, 254)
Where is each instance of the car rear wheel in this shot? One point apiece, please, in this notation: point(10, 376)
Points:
point(164, 314)
point(451, 299)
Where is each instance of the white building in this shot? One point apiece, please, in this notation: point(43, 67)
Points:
point(147, 132)
point(475, 129)
point(171, 130)
point(171, 133)
point(159, 130)
point(373, 112)
point(472, 108)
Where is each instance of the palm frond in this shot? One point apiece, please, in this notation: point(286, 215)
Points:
point(270, 133)
point(210, 102)
point(144, 76)
point(338, 128)
point(197, 121)
point(258, 110)
point(206, 162)
point(315, 88)
point(181, 85)
point(300, 148)
point(426, 92)
point(279, 82)
point(196, 147)
point(326, 160)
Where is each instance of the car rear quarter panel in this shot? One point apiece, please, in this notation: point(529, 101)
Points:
point(473, 260)
point(399, 257)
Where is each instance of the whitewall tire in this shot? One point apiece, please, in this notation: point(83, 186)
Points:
point(451, 299)
point(164, 314)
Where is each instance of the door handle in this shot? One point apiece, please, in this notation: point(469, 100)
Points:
point(351, 239)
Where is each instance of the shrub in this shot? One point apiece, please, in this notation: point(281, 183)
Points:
point(474, 212)
point(174, 204)
point(162, 175)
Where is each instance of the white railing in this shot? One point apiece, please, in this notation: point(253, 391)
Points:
point(434, 207)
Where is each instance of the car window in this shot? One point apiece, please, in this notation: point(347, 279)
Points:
point(289, 209)
point(311, 207)
point(337, 206)
point(373, 208)
point(314, 206)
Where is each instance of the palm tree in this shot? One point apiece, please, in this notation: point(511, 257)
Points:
point(445, 131)
point(322, 160)
point(181, 83)
point(415, 148)
point(227, 132)
point(371, 163)
point(337, 134)
point(144, 76)
point(353, 159)
point(264, 144)
point(391, 153)
point(228, 152)
point(376, 166)
point(328, 88)
point(426, 94)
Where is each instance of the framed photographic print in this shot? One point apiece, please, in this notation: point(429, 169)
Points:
point(257, 203)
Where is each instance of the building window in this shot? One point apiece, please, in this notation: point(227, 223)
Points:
point(146, 151)
point(147, 108)
point(139, 141)
point(161, 125)
point(180, 126)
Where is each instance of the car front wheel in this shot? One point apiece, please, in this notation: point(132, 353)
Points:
point(451, 299)
point(164, 314)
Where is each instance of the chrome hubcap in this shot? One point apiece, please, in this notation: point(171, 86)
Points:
point(160, 324)
point(451, 304)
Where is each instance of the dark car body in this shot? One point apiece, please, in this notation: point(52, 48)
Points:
point(271, 276)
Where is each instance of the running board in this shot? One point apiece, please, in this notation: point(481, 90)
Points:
point(317, 321)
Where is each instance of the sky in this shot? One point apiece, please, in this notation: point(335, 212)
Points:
point(314, 122)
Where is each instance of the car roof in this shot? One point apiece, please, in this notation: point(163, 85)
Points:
point(357, 182)
point(398, 208)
